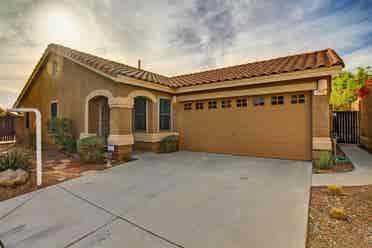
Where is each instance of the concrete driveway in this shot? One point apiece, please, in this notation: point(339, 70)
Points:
point(182, 199)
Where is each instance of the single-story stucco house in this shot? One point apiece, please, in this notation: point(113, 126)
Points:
point(277, 108)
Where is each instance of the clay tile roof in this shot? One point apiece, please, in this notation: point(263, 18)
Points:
point(108, 67)
point(298, 62)
point(369, 82)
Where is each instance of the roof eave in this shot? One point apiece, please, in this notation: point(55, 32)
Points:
point(310, 73)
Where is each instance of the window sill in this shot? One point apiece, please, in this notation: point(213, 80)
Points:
point(152, 137)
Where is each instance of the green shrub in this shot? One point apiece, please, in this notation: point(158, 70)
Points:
point(169, 144)
point(14, 159)
point(325, 159)
point(91, 149)
point(60, 129)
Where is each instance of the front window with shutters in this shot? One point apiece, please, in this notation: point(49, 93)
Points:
point(165, 114)
point(140, 114)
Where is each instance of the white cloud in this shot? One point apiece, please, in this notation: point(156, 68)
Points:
point(361, 57)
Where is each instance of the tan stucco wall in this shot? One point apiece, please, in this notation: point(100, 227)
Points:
point(321, 114)
point(119, 121)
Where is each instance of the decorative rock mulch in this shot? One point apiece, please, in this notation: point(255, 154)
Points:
point(354, 231)
point(59, 167)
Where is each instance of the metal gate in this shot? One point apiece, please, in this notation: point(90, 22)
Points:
point(346, 126)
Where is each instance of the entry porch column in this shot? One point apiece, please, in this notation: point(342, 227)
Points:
point(121, 127)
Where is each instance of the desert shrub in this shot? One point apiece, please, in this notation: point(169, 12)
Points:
point(14, 159)
point(60, 129)
point(335, 190)
point(91, 149)
point(325, 159)
point(169, 144)
point(337, 213)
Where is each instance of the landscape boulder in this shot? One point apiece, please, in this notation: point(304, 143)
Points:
point(10, 178)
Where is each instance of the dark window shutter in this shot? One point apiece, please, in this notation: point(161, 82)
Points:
point(164, 114)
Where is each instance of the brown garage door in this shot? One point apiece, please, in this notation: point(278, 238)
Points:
point(277, 131)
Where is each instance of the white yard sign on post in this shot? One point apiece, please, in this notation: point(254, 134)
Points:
point(38, 140)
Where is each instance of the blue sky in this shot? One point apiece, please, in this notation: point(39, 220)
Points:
point(174, 37)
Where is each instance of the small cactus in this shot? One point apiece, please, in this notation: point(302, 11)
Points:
point(337, 213)
point(335, 189)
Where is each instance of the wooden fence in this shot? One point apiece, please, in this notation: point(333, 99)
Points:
point(7, 138)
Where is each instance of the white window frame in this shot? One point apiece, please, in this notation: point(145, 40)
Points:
point(50, 108)
point(171, 114)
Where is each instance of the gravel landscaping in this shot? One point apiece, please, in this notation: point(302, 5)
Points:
point(355, 231)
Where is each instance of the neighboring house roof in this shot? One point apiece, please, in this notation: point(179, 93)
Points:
point(369, 82)
point(4, 113)
point(303, 62)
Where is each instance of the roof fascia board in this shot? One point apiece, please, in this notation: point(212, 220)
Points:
point(144, 84)
point(30, 79)
point(309, 86)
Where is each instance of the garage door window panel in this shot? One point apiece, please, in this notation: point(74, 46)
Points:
point(187, 106)
point(226, 103)
point(277, 100)
point(212, 104)
point(241, 103)
point(258, 101)
point(298, 99)
point(199, 105)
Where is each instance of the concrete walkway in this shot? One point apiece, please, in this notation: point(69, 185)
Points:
point(182, 199)
point(361, 175)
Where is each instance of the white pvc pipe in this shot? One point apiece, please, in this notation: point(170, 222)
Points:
point(38, 140)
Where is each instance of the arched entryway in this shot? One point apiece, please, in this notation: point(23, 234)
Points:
point(99, 116)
